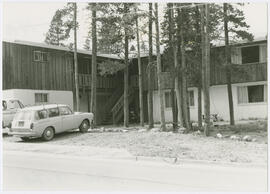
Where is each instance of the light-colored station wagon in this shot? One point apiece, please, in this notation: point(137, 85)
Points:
point(47, 120)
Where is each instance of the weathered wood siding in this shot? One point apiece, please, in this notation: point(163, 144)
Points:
point(240, 73)
point(20, 71)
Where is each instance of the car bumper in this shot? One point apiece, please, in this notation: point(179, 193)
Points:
point(24, 133)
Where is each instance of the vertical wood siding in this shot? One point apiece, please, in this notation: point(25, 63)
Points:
point(20, 71)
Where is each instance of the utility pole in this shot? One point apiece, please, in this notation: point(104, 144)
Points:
point(75, 58)
point(94, 63)
point(161, 93)
point(228, 63)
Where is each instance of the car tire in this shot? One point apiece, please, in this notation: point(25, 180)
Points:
point(25, 138)
point(48, 134)
point(84, 126)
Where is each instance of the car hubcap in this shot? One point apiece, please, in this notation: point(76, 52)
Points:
point(84, 125)
point(48, 133)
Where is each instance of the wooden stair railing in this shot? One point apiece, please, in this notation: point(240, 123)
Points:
point(120, 103)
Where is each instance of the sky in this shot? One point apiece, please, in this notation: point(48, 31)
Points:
point(29, 21)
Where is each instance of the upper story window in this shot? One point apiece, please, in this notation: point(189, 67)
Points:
point(40, 56)
point(250, 54)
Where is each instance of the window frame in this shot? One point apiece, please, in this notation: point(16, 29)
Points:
point(252, 103)
point(40, 55)
point(241, 53)
point(42, 93)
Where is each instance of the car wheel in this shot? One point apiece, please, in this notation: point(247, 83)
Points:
point(25, 138)
point(48, 134)
point(84, 126)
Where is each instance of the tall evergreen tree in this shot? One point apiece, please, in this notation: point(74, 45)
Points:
point(117, 30)
point(94, 62)
point(150, 69)
point(59, 31)
point(160, 90)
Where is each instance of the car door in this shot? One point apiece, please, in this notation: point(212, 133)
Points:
point(67, 118)
point(55, 119)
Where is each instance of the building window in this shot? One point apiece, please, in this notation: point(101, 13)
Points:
point(40, 56)
point(250, 54)
point(168, 101)
point(191, 97)
point(41, 98)
point(252, 94)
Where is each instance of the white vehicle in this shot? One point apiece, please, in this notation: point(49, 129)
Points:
point(9, 108)
point(47, 120)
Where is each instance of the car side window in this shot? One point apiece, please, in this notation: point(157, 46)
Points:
point(65, 110)
point(53, 112)
point(42, 114)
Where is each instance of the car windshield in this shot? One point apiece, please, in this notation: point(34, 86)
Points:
point(24, 115)
point(11, 104)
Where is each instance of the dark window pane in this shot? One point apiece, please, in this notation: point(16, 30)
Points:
point(42, 114)
point(255, 93)
point(250, 54)
point(53, 112)
point(191, 98)
point(167, 99)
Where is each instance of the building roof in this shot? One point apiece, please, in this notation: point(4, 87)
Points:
point(132, 54)
point(43, 45)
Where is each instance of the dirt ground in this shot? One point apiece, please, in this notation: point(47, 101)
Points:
point(191, 146)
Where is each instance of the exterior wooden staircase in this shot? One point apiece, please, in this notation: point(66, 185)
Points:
point(117, 111)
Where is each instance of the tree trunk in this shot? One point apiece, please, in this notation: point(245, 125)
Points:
point(184, 76)
point(171, 42)
point(206, 66)
point(228, 64)
point(150, 72)
point(140, 76)
point(178, 87)
point(126, 103)
point(94, 64)
point(199, 84)
point(75, 59)
point(161, 93)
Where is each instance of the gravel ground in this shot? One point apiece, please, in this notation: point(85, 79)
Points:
point(170, 145)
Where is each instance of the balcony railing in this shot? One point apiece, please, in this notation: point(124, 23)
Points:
point(102, 82)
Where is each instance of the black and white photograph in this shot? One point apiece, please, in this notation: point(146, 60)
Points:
point(153, 96)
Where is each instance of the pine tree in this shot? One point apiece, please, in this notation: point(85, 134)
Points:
point(59, 31)
point(116, 30)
